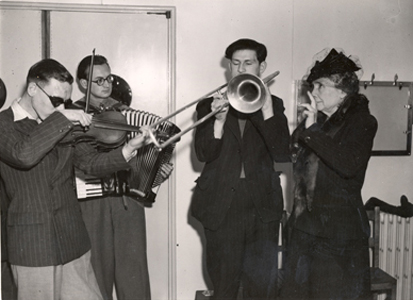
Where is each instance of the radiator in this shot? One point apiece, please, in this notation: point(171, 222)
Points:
point(396, 252)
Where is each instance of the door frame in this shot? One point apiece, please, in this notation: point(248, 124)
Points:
point(170, 14)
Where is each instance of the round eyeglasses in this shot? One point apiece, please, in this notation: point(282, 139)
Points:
point(101, 81)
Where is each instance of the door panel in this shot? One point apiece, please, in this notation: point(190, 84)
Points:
point(135, 45)
point(21, 47)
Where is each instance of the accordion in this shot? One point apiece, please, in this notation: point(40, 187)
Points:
point(144, 174)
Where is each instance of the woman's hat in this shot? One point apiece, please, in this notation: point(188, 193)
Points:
point(333, 63)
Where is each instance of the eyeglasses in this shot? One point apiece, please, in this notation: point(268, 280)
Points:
point(100, 80)
point(56, 101)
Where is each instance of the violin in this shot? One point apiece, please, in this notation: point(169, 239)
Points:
point(108, 128)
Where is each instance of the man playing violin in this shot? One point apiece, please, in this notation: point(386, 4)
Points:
point(48, 244)
point(238, 197)
point(101, 86)
point(116, 223)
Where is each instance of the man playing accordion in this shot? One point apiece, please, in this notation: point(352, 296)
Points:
point(115, 223)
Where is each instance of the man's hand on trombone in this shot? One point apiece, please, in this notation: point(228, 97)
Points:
point(221, 104)
point(140, 140)
point(267, 108)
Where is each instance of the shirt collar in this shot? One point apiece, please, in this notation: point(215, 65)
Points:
point(19, 112)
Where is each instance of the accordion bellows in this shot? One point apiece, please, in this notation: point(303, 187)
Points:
point(145, 172)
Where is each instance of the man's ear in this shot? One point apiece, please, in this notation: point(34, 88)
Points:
point(32, 89)
point(230, 66)
point(83, 83)
point(263, 67)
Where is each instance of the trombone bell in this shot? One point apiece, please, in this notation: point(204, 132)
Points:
point(246, 93)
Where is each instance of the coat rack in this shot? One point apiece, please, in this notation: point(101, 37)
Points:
point(395, 83)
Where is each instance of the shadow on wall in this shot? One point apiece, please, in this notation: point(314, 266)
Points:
point(197, 226)
point(197, 166)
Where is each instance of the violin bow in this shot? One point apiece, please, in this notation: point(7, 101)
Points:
point(89, 82)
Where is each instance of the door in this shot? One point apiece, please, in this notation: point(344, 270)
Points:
point(137, 43)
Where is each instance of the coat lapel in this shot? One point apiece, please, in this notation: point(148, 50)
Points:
point(233, 126)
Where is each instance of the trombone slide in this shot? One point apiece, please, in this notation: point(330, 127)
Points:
point(234, 84)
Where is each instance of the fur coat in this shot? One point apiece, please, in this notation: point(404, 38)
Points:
point(306, 160)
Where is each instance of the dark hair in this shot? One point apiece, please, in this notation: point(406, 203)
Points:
point(348, 82)
point(83, 68)
point(247, 44)
point(46, 69)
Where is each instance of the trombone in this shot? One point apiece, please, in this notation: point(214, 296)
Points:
point(245, 92)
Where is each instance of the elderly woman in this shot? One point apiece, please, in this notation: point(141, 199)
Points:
point(328, 256)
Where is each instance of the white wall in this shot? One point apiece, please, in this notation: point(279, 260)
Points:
point(379, 32)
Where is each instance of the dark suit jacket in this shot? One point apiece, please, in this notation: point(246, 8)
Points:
point(45, 225)
point(263, 142)
point(4, 200)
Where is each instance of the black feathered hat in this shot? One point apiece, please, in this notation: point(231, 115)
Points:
point(333, 63)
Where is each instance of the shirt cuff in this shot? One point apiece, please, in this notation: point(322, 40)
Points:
point(127, 154)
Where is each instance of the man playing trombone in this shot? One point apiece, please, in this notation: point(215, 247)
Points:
point(238, 197)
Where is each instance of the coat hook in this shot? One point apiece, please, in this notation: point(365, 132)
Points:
point(371, 81)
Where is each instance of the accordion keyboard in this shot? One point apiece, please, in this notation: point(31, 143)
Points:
point(87, 186)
